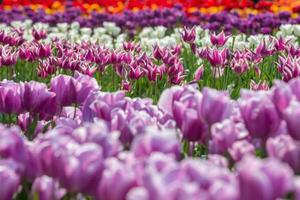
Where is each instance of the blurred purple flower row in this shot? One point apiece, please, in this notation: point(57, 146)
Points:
point(89, 160)
point(168, 17)
point(84, 141)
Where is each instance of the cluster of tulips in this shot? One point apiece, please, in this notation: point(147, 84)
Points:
point(74, 141)
point(149, 105)
point(156, 60)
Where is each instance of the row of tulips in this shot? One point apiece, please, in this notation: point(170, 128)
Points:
point(216, 60)
point(121, 5)
point(75, 141)
point(168, 17)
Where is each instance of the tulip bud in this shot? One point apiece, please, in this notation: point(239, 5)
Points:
point(286, 149)
point(198, 73)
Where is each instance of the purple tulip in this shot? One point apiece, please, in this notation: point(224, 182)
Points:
point(189, 35)
point(10, 182)
point(217, 58)
point(216, 105)
point(261, 85)
point(81, 171)
point(12, 144)
point(286, 149)
point(39, 34)
point(88, 84)
point(99, 133)
point(45, 188)
point(118, 176)
point(241, 148)
point(295, 87)
point(65, 88)
point(34, 96)
point(290, 115)
point(165, 142)
point(218, 160)
point(297, 188)
point(259, 114)
point(219, 40)
point(198, 73)
point(268, 179)
point(282, 96)
point(224, 134)
point(10, 101)
point(184, 104)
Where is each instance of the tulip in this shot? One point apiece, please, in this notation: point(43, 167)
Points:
point(44, 51)
point(39, 34)
point(282, 96)
point(286, 149)
point(268, 179)
point(259, 114)
point(219, 40)
point(10, 182)
point(218, 160)
point(261, 85)
point(297, 188)
point(224, 134)
point(189, 35)
point(290, 115)
point(45, 188)
point(199, 73)
point(218, 58)
point(82, 171)
point(34, 96)
point(117, 176)
point(88, 84)
point(241, 148)
point(65, 88)
point(164, 142)
point(295, 87)
point(216, 105)
point(10, 101)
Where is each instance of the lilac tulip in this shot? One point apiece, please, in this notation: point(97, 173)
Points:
point(224, 134)
point(164, 142)
point(295, 87)
point(88, 84)
point(282, 96)
point(99, 133)
point(291, 114)
point(65, 88)
point(81, 171)
point(241, 148)
point(286, 149)
point(118, 176)
point(10, 182)
point(10, 101)
point(34, 96)
point(45, 188)
point(12, 144)
point(297, 188)
point(185, 109)
point(267, 179)
point(216, 105)
point(218, 160)
point(259, 114)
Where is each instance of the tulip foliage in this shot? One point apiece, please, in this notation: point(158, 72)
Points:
point(148, 112)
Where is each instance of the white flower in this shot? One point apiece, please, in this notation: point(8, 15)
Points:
point(111, 28)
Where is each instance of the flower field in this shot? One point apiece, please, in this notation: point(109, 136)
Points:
point(149, 100)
